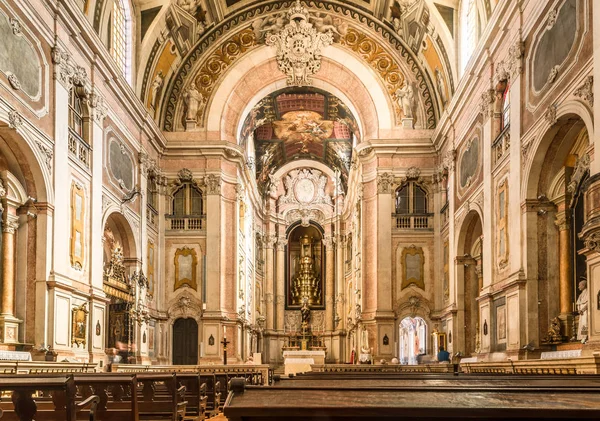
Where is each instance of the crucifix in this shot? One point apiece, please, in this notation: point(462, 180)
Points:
point(225, 342)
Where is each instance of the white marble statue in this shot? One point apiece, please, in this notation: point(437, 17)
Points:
point(582, 308)
point(192, 99)
point(156, 88)
point(406, 96)
point(364, 341)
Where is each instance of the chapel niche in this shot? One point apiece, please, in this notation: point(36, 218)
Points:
point(305, 271)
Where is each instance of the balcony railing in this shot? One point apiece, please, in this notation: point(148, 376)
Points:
point(501, 146)
point(186, 223)
point(79, 149)
point(413, 221)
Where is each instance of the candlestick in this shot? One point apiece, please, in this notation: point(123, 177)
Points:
point(224, 332)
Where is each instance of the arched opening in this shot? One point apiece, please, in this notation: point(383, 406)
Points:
point(556, 219)
point(469, 271)
point(412, 340)
point(305, 267)
point(185, 341)
point(119, 264)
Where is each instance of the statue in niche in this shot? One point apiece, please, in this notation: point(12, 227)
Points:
point(193, 99)
point(156, 88)
point(305, 311)
point(364, 341)
point(582, 308)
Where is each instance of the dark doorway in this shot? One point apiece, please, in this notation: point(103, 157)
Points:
point(185, 342)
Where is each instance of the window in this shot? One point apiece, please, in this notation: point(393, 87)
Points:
point(151, 192)
point(75, 113)
point(119, 41)
point(506, 107)
point(187, 201)
point(469, 31)
point(411, 198)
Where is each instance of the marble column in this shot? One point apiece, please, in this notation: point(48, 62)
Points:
point(329, 283)
point(269, 243)
point(280, 297)
point(8, 268)
point(565, 282)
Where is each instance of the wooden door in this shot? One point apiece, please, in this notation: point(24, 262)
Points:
point(185, 342)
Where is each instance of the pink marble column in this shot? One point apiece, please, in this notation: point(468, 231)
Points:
point(329, 287)
point(269, 244)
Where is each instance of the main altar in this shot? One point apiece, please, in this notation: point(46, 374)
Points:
point(305, 347)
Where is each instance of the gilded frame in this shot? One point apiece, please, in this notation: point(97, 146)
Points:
point(192, 283)
point(77, 226)
point(79, 317)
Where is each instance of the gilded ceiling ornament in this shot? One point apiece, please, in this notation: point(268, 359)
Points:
point(299, 45)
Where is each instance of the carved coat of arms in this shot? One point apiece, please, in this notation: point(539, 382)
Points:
point(299, 46)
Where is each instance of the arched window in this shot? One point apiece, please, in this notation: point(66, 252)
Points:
point(76, 113)
point(187, 201)
point(469, 34)
point(79, 147)
point(411, 198)
point(119, 36)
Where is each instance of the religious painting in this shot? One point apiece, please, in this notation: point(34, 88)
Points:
point(77, 225)
point(79, 325)
point(501, 323)
point(305, 271)
point(186, 263)
point(413, 263)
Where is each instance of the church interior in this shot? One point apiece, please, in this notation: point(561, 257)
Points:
point(286, 186)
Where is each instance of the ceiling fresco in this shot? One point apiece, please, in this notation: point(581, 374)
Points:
point(300, 123)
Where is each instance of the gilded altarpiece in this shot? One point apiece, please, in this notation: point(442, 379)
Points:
point(305, 269)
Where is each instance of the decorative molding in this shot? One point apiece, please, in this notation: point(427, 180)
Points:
point(581, 167)
point(413, 173)
point(592, 241)
point(305, 186)
point(586, 91)
point(67, 72)
point(270, 241)
point(385, 183)
point(515, 58)
point(13, 81)
point(562, 221)
point(47, 153)
point(98, 107)
point(281, 243)
point(10, 227)
point(186, 306)
point(298, 44)
point(15, 121)
point(328, 242)
point(553, 75)
point(416, 279)
point(189, 281)
point(449, 160)
point(550, 114)
point(213, 184)
point(15, 24)
point(551, 20)
point(305, 216)
point(486, 104)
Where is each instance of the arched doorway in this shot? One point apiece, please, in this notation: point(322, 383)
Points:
point(413, 340)
point(185, 342)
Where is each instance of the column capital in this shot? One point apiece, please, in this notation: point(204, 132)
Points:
point(281, 243)
point(98, 107)
point(385, 182)
point(562, 222)
point(66, 71)
point(328, 242)
point(213, 184)
point(10, 227)
point(270, 241)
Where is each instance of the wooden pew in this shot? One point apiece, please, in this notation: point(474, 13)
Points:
point(117, 395)
point(61, 389)
point(169, 403)
point(195, 395)
point(454, 399)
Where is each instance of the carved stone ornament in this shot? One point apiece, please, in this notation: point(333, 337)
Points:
point(2, 189)
point(299, 46)
point(185, 175)
point(581, 167)
point(550, 115)
point(586, 91)
point(14, 119)
point(47, 153)
point(449, 160)
point(553, 75)
point(14, 81)
point(515, 58)
point(305, 216)
point(305, 187)
point(66, 71)
point(15, 24)
point(385, 183)
point(486, 105)
point(98, 107)
point(592, 241)
point(552, 16)
point(213, 184)
point(413, 173)
point(185, 306)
